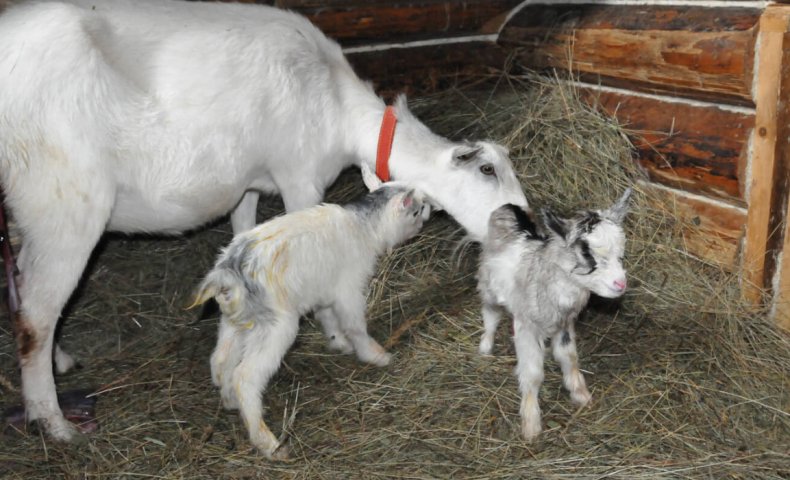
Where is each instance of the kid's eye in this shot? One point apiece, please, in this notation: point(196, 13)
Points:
point(487, 169)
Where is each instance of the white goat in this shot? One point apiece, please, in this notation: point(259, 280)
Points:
point(159, 116)
point(544, 281)
point(322, 259)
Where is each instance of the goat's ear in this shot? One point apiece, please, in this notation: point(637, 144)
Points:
point(408, 200)
point(372, 181)
point(465, 153)
point(556, 225)
point(617, 212)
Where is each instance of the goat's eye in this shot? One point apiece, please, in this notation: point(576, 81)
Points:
point(487, 169)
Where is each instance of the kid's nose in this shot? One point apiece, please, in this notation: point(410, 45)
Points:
point(619, 284)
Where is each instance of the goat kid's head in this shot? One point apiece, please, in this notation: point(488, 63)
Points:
point(596, 241)
point(469, 180)
point(405, 210)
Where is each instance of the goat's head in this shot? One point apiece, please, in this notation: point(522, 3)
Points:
point(596, 242)
point(401, 208)
point(470, 180)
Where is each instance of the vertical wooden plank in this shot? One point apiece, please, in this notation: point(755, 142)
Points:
point(780, 311)
point(773, 25)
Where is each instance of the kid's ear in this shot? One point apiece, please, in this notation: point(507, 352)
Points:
point(408, 199)
point(617, 212)
point(556, 225)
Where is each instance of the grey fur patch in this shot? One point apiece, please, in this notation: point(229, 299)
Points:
point(374, 201)
point(566, 338)
point(234, 259)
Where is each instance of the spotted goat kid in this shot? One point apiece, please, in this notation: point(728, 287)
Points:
point(319, 259)
point(543, 277)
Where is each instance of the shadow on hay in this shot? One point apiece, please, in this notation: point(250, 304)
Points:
point(687, 382)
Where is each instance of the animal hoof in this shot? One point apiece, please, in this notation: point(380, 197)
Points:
point(277, 453)
point(381, 360)
point(530, 430)
point(581, 398)
point(78, 418)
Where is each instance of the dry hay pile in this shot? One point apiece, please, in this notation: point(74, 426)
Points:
point(686, 382)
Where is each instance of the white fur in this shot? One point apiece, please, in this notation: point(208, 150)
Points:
point(159, 116)
point(319, 259)
point(544, 281)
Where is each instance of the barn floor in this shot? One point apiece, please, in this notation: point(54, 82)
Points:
point(687, 383)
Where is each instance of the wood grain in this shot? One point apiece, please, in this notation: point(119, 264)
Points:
point(355, 22)
point(695, 52)
point(711, 231)
point(359, 22)
point(701, 149)
point(773, 27)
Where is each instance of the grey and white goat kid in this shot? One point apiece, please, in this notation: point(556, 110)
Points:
point(543, 277)
point(319, 259)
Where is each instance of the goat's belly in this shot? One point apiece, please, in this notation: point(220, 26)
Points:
point(135, 213)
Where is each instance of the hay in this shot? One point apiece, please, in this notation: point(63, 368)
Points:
point(687, 382)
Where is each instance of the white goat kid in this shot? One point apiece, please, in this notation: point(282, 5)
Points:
point(321, 258)
point(160, 116)
point(544, 281)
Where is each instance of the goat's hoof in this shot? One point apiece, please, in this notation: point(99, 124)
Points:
point(62, 431)
point(380, 360)
point(486, 344)
point(530, 430)
point(581, 398)
point(279, 453)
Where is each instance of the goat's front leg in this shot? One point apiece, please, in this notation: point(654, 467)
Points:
point(529, 370)
point(243, 217)
point(263, 350)
point(337, 340)
point(492, 314)
point(55, 249)
point(350, 311)
point(563, 346)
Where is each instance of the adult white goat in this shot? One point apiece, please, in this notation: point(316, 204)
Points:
point(155, 116)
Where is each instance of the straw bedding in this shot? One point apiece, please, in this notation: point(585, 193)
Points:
point(687, 382)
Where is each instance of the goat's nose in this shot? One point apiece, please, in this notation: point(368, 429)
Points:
point(619, 284)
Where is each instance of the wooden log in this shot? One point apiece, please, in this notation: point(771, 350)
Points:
point(691, 146)
point(356, 22)
point(711, 230)
point(773, 27)
point(428, 69)
point(694, 52)
point(361, 22)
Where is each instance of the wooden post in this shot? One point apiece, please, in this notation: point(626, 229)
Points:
point(767, 87)
point(780, 308)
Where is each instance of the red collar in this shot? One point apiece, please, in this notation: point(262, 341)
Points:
point(386, 135)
